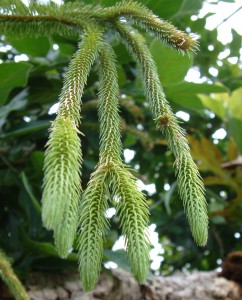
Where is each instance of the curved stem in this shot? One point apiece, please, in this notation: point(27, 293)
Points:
point(8, 276)
point(190, 185)
point(108, 108)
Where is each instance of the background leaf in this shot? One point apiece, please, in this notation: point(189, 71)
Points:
point(34, 46)
point(172, 66)
point(186, 93)
point(12, 75)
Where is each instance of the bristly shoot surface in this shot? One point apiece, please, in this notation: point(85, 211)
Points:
point(66, 209)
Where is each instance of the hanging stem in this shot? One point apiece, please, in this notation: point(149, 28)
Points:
point(63, 158)
point(190, 185)
point(8, 276)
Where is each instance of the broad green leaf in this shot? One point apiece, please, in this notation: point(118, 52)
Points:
point(34, 46)
point(186, 93)
point(236, 43)
point(224, 105)
point(198, 25)
point(190, 7)
point(235, 104)
point(235, 130)
point(129, 140)
point(44, 91)
point(167, 9)
point(37, 159)
point(12, 75)
point(172, 66)
point(208, 155)
point(217, 104)
point(163, 8)
point(17, 103)
point(229, 108)
point(26, 128)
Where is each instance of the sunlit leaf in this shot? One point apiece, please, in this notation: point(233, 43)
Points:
point(186, 93)
point(217, 103)
point(26, 128)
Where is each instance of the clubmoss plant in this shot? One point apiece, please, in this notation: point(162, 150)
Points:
point(9, 277)
point(65, 207)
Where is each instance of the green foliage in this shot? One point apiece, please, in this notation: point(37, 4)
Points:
point(111, 175)
point(63, 157)
point(190, 184)
point(24, 119)
point(61, 183)
point(8, 276)
point(108, 110)
point(94, 225)
point(133, 213)
point(228, 107)
point(15, 75)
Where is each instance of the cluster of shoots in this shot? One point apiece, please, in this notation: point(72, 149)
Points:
point(67, 209)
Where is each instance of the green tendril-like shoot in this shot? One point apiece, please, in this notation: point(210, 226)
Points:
point(66, 209)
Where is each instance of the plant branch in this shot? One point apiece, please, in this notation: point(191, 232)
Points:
point(230, 16)
point(8, 276)
point(190, 185)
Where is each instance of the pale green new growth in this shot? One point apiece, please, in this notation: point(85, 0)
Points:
point(8, 276)
point(63, 156)
point(108, 110)
point(76, 77)
point(62, 209)
point(134, 217)
point(62, 171)
point(190, 184)
point(93, 226)
point(111, 175)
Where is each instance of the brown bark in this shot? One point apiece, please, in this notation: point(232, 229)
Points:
point(120, 285)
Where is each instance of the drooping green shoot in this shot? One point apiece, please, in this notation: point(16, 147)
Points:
point(93, 220)
point(8, 276)
point(131, 206)
point(111, 179)
point(108, 108)
point(191, 188)
point(76, 77)
point(93, 226)
point(63, 159)
point(134, 217)
point(62, 167)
